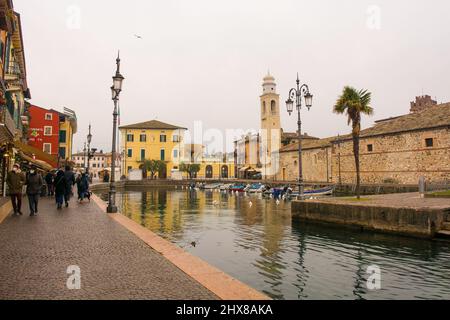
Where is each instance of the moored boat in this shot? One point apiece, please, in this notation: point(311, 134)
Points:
point(212, 186)
point(226, 187)
point(316, 192)
point(256, 188)
point(238, 187)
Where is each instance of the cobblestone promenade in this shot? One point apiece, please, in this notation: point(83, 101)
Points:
point(35, 253)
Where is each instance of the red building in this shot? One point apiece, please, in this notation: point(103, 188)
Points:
point(43, 132)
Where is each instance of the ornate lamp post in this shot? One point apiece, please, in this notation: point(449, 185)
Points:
point(89, 139)
point(339, 157)
point(115, 91)
point(295, 95)
point(84, 153)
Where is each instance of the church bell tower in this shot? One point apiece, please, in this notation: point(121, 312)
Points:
point(270, 124)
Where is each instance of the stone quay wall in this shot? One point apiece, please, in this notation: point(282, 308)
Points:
point(416, 222)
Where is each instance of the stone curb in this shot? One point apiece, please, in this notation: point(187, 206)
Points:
point(5, 210)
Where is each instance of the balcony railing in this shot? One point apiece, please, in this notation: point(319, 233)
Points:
point(13, 69)
point(7, 120)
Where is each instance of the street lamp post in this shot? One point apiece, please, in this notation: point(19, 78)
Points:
point(84, 154)
point(295, 95)
point(89, 139)
point(339, 158)
point(115, 91)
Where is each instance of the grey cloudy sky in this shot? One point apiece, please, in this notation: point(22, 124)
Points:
point(205, 59)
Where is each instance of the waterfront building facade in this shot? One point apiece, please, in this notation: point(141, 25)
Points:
point(396, 150)
point(97, 164)
point(152, 140)
point(257, 154)
point(156, 140)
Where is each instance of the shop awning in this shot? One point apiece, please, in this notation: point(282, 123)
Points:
point(36, 156)
point(38, 163)
point(244, 169)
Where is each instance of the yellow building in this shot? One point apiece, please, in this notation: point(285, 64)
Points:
point(156, 140)
point(214, 169)
point(14, 85)
point(67, 128)
point(152, 140)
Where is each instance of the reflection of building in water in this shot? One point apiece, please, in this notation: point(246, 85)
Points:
point(155, 209)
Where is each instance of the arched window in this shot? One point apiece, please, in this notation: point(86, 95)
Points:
point(273, 107)
point(264, 107)
point(225, 172)
point(209, 172)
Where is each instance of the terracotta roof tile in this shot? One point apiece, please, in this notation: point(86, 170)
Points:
point(152, 124)
point(431, 117)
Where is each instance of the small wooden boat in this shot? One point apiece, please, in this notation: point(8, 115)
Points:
point(316, 192)
point(212, 186)
point(238, 187)
point(225, 187)
point(255, 188)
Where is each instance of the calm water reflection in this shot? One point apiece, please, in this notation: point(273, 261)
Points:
point(259, 245)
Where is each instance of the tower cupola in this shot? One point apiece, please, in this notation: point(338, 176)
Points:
point(269, 85)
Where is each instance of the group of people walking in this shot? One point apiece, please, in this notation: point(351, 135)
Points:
point(59, 184)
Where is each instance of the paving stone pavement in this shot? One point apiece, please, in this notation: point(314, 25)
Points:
point(398, 200)
point(35, 253)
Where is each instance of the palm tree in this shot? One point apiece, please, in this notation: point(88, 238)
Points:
point(354, 103)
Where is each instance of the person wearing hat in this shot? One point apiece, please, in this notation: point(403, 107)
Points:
point(15, 182)
point(34, 184)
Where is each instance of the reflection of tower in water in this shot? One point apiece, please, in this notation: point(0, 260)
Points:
point(266, 222)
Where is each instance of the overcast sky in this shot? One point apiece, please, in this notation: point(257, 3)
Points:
point(205, 59)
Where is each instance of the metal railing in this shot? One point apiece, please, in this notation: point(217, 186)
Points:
point(437, 186)
point(13, 69)
point(7, 120)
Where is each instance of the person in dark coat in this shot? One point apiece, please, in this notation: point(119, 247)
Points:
point(49, 181)
point(60, 188)
point(15, 181)
point(34, 184)
point(83, 186)
point(70, 181)
point(106, 177)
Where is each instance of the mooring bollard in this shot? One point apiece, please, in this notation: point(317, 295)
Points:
point(422, 187)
